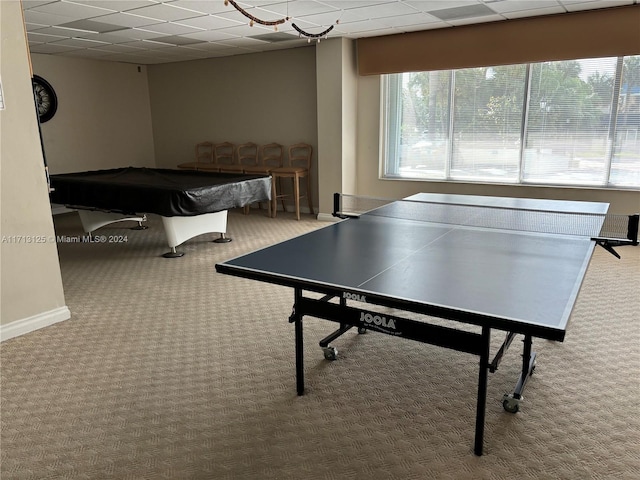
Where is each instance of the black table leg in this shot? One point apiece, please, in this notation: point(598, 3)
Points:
point(297, 320)
point(483, 376)
point(511, 402)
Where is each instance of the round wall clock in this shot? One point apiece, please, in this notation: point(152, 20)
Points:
point(46, 99)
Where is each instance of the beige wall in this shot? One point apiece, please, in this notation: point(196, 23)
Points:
point(260, 98)
point(31, 284)
point(349, 115)
point(103, 118)
point(331, 159)
point(337, 125)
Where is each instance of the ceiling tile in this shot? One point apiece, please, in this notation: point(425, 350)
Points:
point(295, 10)
point(115, 5)
point(212, 35)
point(538, 11)
point(582, 5)
point(50, 48)
point(34, 3)
point(176, 40)
point(127, 20)
point(431, 5)
point(382, 10)
point(330, 18)
point(214, 47)
point(408, 20)
point(120, 48)
point(84, 53)
point(347, 4)
point(204, 22)
point(129, 58)
point(165, 12)
point(426, 26)
point(60, 31)
point(169, 28)
point(133, 34)
point(202, 6)
point(471, 21)
point(34, 26)
point(181, 22)
point(457, 13)
point(518, 5)
point(91, 26)
point(36, 36)
point(42, 18)
point(241, 42)
point(364, 26)
point(121, 36)
point(147, 45)
point(75, 11)
point(246, 30)
point(79, 43)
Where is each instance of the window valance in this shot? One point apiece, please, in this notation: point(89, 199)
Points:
point(588, 34)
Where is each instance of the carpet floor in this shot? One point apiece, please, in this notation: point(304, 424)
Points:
point(169, 370)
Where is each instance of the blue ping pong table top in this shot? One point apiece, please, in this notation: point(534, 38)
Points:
point(518, 281)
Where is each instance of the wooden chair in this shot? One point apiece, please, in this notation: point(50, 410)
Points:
point(247, 155)
point(204, 158)
point(224, 158)
point(299, 167)
point(270, 157)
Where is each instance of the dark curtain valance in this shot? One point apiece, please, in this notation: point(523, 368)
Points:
point(607, 32)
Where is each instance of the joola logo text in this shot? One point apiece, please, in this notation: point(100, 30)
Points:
point(378, 320)
point(354, 296)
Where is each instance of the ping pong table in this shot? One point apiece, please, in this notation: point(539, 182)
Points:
point(510, 264)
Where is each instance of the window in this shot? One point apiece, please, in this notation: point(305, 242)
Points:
point(571, 123)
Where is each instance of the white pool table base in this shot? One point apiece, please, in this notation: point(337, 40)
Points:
point(177, 229)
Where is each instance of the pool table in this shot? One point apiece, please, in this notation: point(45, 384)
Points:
point(190, 203)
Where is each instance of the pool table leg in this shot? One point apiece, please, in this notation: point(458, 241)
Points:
point(180, 229)
point(222, 239)
point(173, 253)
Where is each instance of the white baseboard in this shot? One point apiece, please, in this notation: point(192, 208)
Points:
point(327, 217)
point(36, 322)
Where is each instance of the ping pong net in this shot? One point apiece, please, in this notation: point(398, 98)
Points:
point(607, 230)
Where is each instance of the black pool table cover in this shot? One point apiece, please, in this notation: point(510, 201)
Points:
point(164, 192)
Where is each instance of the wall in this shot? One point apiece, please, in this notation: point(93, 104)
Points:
point(349, 115)
point(31, 284)
point(337, 126)
point(369, 183)
point(261, 98)
point(103, 118)
point(329, 92)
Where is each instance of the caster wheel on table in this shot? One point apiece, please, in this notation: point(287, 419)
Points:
point(511, 404)
point(330, 353)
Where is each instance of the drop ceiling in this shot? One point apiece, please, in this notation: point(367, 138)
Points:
point(163, 31)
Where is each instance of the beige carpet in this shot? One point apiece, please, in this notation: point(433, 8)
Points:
point(168, 370)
